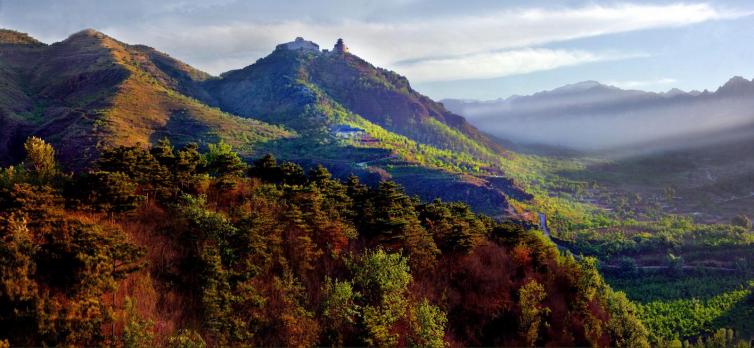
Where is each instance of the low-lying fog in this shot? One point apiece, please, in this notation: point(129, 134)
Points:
point(591, 117)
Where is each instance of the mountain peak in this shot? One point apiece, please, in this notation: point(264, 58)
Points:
point(736, 85)
point(579, 86)
point(87, 34)
point(12, 37)
point(674, 92)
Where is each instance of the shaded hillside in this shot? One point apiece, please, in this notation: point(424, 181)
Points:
point(90, 91)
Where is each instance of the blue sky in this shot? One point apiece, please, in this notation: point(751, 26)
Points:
point(471, 49)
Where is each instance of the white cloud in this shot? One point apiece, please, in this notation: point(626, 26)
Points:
point(454, 47)
point(656, 83)
point(498, 64)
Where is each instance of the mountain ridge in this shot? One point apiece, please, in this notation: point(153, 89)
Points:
point(91, 91)
point(596, 114)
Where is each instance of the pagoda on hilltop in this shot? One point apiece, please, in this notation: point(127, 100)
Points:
point(340, 47)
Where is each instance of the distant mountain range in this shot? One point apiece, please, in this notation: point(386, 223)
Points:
point(593, 116)
point(92, 91)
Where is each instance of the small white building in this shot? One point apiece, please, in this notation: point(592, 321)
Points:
point(347, 132)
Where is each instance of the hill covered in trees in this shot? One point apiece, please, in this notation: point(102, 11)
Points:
point(168, 246)
point(91, 91)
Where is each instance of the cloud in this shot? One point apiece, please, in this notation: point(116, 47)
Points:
point(499, 64)
point(224, 34)
point(642, 83)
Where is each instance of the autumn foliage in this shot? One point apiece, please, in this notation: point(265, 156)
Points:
point(173, 247)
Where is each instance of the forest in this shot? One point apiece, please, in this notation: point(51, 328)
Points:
point(158, 246)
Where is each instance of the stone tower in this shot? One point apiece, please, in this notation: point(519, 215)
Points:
point(340, 47)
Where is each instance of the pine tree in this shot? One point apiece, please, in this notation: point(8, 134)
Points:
point(164, 152)
point(221, 161)
point(40, 160)
point(530, 299)
point(266, 168)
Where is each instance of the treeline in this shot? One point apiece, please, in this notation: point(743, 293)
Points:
point(668, 234)
point(173, 247)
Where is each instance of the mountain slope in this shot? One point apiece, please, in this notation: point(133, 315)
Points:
point(283, 83)
point(395, 132)
point(91, 90)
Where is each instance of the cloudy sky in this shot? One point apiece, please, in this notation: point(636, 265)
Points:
point(481, 49)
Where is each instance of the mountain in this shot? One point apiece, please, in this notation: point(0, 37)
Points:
point(697, 144)
point(92, 91)
point(292, 78)
point(591, 116)
point(396, 132)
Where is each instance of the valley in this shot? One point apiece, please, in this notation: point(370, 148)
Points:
point(312, 198)
point(668, 219)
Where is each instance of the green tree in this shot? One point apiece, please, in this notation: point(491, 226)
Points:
point(292, 174)
point(627, 267)
point(110, 192)
point(624, 326)
point(137, 332)
point(186, 339)
point(530, 297)
point(40, 160)
point(675, 264)
point(266, 168)
point(164, 152)
point(339, 310)
point(221, 161)
point(454, 226)
point(154, 179)
point(428, 325)
point(394, 223)
point(382, 280)
point(186, 169)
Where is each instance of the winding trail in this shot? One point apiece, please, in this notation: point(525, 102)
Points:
point(543, 225)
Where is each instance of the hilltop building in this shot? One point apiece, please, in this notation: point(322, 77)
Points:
point(340, 47)
point(300, 44)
